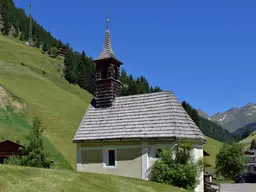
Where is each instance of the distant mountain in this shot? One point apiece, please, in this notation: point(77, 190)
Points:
point(203, 114)
point(235, 118)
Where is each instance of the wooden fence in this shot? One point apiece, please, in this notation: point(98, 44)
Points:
point(211, 187)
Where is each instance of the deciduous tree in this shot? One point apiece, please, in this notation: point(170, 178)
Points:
point(230, 160)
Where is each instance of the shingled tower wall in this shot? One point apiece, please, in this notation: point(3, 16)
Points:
point(108, 83)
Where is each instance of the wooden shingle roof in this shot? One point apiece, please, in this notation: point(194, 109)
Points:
point(152, 115)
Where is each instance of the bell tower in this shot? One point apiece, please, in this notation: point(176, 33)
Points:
point(108, 83)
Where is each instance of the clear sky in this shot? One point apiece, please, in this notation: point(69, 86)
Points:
point(204, 51)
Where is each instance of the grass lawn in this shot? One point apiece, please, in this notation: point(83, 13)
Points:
point(38, 81)
point(223, 181)
point(14, 178)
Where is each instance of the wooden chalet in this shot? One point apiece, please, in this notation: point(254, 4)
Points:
point(8, 148)
point(62, 52)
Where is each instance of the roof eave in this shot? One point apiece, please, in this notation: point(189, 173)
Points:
point(199, 140)
point(99, 60)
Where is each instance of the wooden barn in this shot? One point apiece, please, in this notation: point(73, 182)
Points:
point(8, 148)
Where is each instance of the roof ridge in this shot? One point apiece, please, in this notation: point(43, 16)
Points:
point(152, 93)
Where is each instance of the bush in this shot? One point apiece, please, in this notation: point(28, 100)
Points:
point(13, 160)
point(54, 52)
point(179, 170)
point(230, 160)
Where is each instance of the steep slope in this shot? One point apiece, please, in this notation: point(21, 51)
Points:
point(236, 118)
point(14, 125)
point(247, 141)
point(14, 178)
point(212, 147)
point(37, 79)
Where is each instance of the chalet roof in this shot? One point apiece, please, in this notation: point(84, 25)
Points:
point(12, 142)
point(152, 115)
point(107, 51)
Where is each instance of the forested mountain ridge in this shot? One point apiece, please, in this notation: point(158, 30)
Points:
point(238, 121)
point(78, 68)
point(208, 127)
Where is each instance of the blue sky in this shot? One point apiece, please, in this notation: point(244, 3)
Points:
point(203, 51)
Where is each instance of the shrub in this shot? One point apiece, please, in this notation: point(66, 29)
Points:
point(179, 170)
point(54, 52)
point(13, 160)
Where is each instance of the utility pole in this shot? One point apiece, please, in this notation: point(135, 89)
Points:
point(30, 40)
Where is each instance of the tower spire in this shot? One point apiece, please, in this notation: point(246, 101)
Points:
point(107, 52)
point(108, 84)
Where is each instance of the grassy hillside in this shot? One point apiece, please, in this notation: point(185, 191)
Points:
point(37, 80)
point(212, 147)
point(14, 178)
point(247, 141)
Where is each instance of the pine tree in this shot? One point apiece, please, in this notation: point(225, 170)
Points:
point(36, 157)
point(26, 29)
point(192, 113)
point(38, 43)
point(69, 67)
point(34, 154)
point(1, 21)
point(195, 117)
point(45, 48)
point(22, 36)
point(81, 71)
point(93, 78)
point(5, 12)
point(246, 132)
point(88, 75)
point(16, 34)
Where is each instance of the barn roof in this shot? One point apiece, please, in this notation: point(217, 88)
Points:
point(8, 141)
point(152, 115)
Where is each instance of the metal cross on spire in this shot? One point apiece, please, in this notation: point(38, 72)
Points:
point(107, 21)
